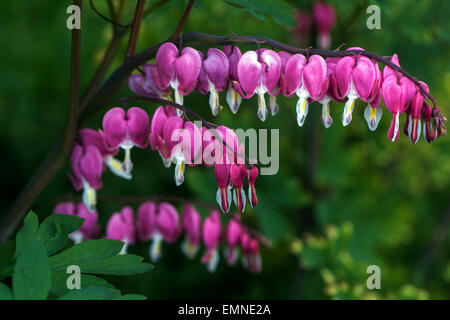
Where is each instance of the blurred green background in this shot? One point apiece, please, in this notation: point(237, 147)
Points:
point(343, 199)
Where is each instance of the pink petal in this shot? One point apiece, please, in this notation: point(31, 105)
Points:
point(165, 62)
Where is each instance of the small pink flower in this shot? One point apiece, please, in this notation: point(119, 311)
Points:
point(251, 174)
point(356, 78)
point(180, 72)
point(233, 239)
point(146, 220)
point(273, 106)
point(87, 169)
point(324, 16)
point(89, 137)
point(121, 227)
point(148, 84)
point(427, 124)
point(211, 233)
point(307, 79)
point(223, 197)
point(89, 229)
point(396, 96)
point(373, 111)
point(250, 249)
point(126, 129)
point(167, 229)
point(233, 97)
point(258, 72)
point(191, 222)
point(413, 114)
point(214, 77)
point(237, 178)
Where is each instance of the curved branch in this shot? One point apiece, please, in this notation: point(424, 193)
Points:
point(101, 15)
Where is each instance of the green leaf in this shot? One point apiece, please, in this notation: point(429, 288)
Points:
point(118, 265)
point(280, 11)
point(31, 277)
point(27, 234)
point(86, 252)
point(6, 256)
point(91, 293)
point(55, 229)
point(5, 292)
point(130, 297)
point(59, 282)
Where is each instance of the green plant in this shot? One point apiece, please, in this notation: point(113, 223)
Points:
point(38, 262)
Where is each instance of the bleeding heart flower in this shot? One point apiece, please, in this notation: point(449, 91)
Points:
point(126, 129)
point(191, 222)
point(396, 95)
point(251, 174)
point(233, 239)
point(167, 229)
point(214, 77)
point(250, 248)
point(180, 72)
point(223, 197)
point(233, 97)
point(415, 113)
point(273, 106)
point(87, 169)
point(373, 111)
point(211, 233)
point(237, 178)
point(324, 16)
point(356, 78)
point(187, 150)
point(89, 137)
point(258, 73)
point(89, 229)
point(146, 220)
point(121, 227)
point(148, 84)
point(307, 80)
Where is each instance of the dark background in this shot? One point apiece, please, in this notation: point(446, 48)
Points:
point(343, 199)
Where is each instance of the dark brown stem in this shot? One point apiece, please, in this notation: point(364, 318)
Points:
point(135, 29)
point(57, 155)
point(182, 22)
point(101, 15)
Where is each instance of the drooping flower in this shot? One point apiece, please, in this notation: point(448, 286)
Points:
point(223, 196)
point(373, 111)
point(414, 113)
point(258, 72)
point(324, 16)
point(211, 233)
point(237, 179)
point(89, 229)
point(87, 169)
point(233, 239)
point(167, 229)
point(427, 124)
point(90, 137)
point(126, 129)
point(250, 249)
point(191, 222)
point(214, 77)
point(356, 78)
point(307, 79)
point(251, 174)
point(148, 84)
point(146, 220)
point(396, 95)
point(273, 106)
point(187, 149)
point(233, 97)
point(156, 137)
point(121, 227)
point(180, 72)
